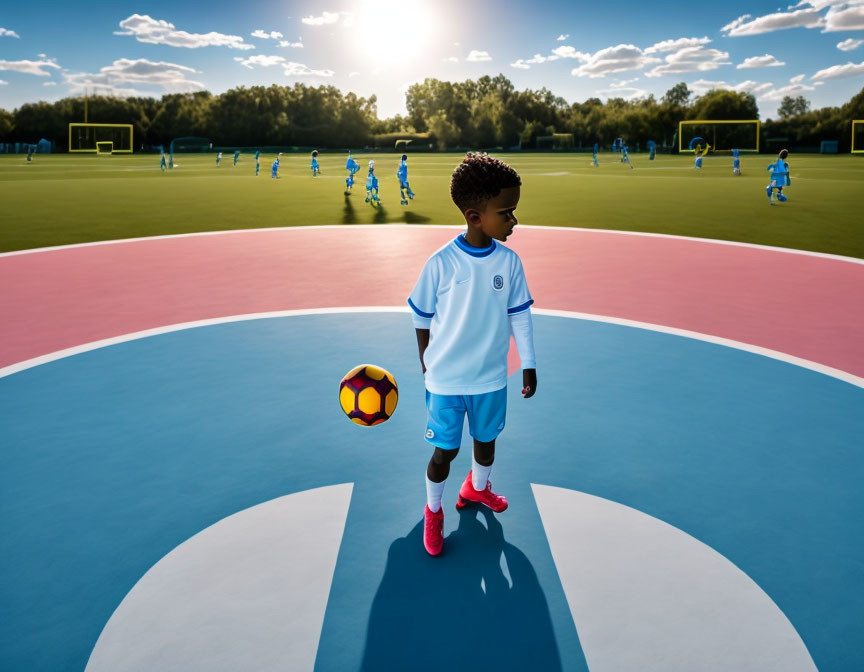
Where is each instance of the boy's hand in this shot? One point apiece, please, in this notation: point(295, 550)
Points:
point(529, 382)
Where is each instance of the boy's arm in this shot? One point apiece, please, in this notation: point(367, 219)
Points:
point(522, 328)
point(422, 344)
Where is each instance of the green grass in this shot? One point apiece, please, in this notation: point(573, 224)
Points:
point(63, 199)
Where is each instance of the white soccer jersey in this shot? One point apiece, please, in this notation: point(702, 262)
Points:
point(469, 293)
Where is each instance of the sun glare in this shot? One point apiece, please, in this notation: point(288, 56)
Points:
point(397, 30)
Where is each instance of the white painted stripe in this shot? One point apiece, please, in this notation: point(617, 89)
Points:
point(646, 596)
point(247, 593)
point(695, 335)
point(710, 241)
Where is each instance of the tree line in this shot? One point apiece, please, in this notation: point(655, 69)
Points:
point(484, 113)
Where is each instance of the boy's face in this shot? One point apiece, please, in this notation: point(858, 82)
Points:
point(498, 217)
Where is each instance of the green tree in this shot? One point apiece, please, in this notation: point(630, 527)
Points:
point(793, 107)
point(722, 104)
point(677, 96)
point(7, 123)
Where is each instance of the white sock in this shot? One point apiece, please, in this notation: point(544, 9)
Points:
point(434, 491)
point(479, 474)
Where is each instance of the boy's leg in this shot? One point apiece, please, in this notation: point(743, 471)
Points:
point(487, 414)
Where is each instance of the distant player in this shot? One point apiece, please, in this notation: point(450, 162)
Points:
point(736, 163)
point(594, 159)
point(30, 149)
point(652, 150)
point(404, 189)
point(470, 297)
point(314, 164)
point(779, 177)
point(274, 171)
point(372, 186)
point(257, 161)
point(699, 153)
point(236, 157)
point(352, 167)
point(218, 159)
point(625, 156)
point(163, 164)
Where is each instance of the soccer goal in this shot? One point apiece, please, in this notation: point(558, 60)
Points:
point(89, 137)
point(858, 136)
point(723, 136)
point(104, 148)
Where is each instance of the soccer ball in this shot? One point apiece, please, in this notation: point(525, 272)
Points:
point(368, 394)
point(736, 171)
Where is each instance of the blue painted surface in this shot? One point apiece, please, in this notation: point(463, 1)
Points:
point(110, 459)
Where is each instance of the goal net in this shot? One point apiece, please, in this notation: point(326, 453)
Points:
point(104, 148)
point(88, 137)
point(858, 136)
point(723, 136)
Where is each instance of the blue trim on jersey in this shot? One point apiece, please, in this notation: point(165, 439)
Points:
point(465, 246)
point(519, 309)
point(418, 311)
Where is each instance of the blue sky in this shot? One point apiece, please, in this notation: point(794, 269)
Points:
point(576, 49)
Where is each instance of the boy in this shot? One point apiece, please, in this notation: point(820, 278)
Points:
point(652, 150)
point(257, 161)
point(736, 162)
point(236, 157)
point(625, 156)
point(352, 167)
point(163, 164)
point(314, 164)
point(274, 171)
point(779, 177)
point(471, 295)
point(218, 159)
point(372, 185)
point(402, 173)
point(594, 159)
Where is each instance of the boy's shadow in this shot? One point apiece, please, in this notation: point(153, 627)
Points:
point(460, 610)
point(348, 214)
point(413, 218)
point(380, 216)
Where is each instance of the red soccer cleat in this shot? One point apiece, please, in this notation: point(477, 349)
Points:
point(467, 493)
point(433, 531)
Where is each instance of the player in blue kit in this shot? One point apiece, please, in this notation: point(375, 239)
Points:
point(274, 171)
point(652, 150)
point(352, 167)
point(372, 185)
point(594, 158)
point(736, 162)
point(470, 297)
point(236, 157)
point(779, 177)
point(314, 165)
point(257, 161)
point(218, 159)
point(404, 189)
point(163, 164)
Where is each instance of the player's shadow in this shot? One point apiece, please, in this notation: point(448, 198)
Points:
point(349, 216)
point(459, 610)
point(380, 216)
point(413, 218)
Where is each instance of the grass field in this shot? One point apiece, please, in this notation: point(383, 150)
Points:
point(63, 199)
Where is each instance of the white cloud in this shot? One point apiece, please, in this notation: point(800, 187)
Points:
point(766, 61)
point(171, 77)
point(847, 16)
point(627, 93)
point(293, 69)
point(562, 37)
point(621, 83)
point(791, 90)
point(292, 45)
point(800, 18)
point(272, 35)
point(261, 60)
point(796, 79)
point(614, 59)
point(849, 45)
point(450, 59)
point(702, 86)
point(325, 19)
point(49, 83)
point(5, 32)
point(691, 59)
point(569, 52)
point(840, 71)
point(3, 82)
point(478, 56)
point(155, 31)
point(520, 65)
point(675, 45)
point(30, 67)
point(525, 64)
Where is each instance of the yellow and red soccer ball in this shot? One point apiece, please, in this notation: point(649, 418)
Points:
point(368, 394)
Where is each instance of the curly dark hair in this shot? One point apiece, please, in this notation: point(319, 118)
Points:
point(478, 178)
point(783, 153)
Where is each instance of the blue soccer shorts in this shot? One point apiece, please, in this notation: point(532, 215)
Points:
point(445, 416)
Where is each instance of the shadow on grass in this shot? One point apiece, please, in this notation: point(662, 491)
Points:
point(479, 600)
point(413, 218)
point(349, 216)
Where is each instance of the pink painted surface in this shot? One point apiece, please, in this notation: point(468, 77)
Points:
point(805, 306)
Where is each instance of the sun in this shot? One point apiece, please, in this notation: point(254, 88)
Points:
point(398, 30)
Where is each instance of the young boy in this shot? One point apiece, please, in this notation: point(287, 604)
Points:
point(257, 161)
point(372, 185)
point(218, 159)
point(236, 157)
point(471, 295)
point(274, 171)
point(352, 167)
point(779, 177)
point(736, 162)
point(314, 164)
point(404, 189)
point(163, 164)
point(594, 159)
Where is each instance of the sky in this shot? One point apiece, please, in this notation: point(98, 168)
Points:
point(576, 49)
